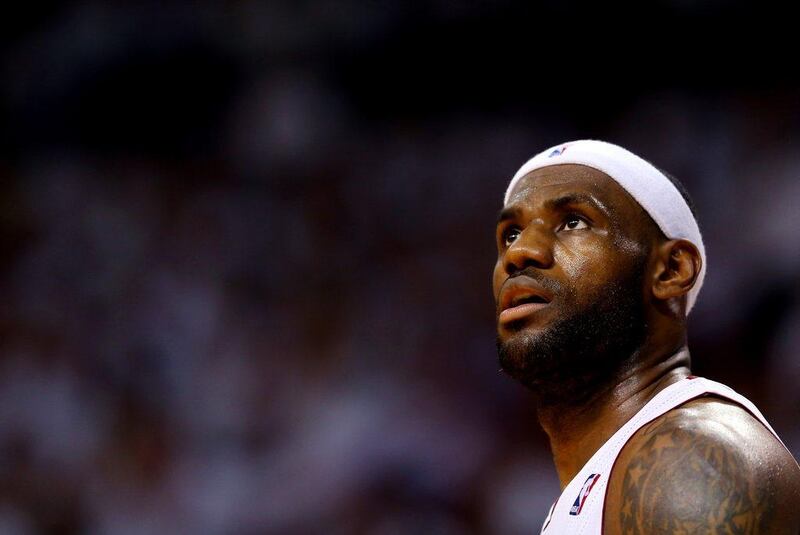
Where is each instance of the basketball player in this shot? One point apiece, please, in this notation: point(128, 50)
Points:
point(600, 259)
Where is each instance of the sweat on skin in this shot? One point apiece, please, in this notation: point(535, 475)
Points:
point(591, 299)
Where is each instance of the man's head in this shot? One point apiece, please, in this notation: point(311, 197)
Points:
point(585, 278)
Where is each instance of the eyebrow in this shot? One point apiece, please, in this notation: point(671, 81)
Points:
point(511, 212)
point(576, 198)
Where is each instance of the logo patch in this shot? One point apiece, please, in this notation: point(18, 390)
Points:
point(583, 494)
point(557, 152)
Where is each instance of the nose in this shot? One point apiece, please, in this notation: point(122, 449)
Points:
point(532, 248)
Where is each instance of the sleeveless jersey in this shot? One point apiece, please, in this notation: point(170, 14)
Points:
point(579, 509)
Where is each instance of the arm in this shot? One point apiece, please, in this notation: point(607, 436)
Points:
point(704, 468)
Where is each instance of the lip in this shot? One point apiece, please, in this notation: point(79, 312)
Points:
point(520, 311)
point(520, 297)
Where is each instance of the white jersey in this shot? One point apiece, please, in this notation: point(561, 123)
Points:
point(579, 509)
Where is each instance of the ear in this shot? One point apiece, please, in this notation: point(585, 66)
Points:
point(677, 267)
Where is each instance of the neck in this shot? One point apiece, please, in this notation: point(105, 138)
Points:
point(577, 432)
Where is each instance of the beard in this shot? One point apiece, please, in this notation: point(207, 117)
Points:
point(586, 348)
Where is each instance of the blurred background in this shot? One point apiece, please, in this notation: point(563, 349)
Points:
point(245, 248)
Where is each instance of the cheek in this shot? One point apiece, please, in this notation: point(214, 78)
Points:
point(629, 247)
point(592, 267)
point(576, 267)
point(498, 277)
point(587, 260)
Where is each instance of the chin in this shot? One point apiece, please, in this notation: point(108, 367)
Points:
point(526, 355)
point(572, 358)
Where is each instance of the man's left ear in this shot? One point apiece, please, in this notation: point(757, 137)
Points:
point(677, 269)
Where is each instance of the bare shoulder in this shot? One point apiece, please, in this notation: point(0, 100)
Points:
point(708, 466)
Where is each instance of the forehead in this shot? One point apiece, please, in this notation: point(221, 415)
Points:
point(556, 180)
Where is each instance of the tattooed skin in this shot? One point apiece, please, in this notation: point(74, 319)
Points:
point(685, 479)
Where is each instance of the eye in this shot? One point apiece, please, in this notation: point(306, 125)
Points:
point(574, 222)
point(509, 235)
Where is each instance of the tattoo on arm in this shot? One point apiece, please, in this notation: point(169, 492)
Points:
point(685, 480)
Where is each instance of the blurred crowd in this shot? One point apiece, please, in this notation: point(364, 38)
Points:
point(240, 297)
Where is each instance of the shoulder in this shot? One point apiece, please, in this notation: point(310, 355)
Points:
point(708, 466)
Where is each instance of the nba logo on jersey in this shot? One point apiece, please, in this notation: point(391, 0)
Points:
point(583, 494)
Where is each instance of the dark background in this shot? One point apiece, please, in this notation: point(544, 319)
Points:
point(245, 248)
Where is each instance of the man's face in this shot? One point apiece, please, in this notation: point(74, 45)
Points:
point(569, 280)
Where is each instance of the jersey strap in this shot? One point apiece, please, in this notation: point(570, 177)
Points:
point(579, 509)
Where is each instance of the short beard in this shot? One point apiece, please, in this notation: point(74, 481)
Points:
point(585, 350)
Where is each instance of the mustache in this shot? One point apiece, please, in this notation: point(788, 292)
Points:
point(553, 286)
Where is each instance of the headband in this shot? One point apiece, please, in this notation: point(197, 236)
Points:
point(653, 191)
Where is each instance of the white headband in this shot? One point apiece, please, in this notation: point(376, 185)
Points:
point(650, 187)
